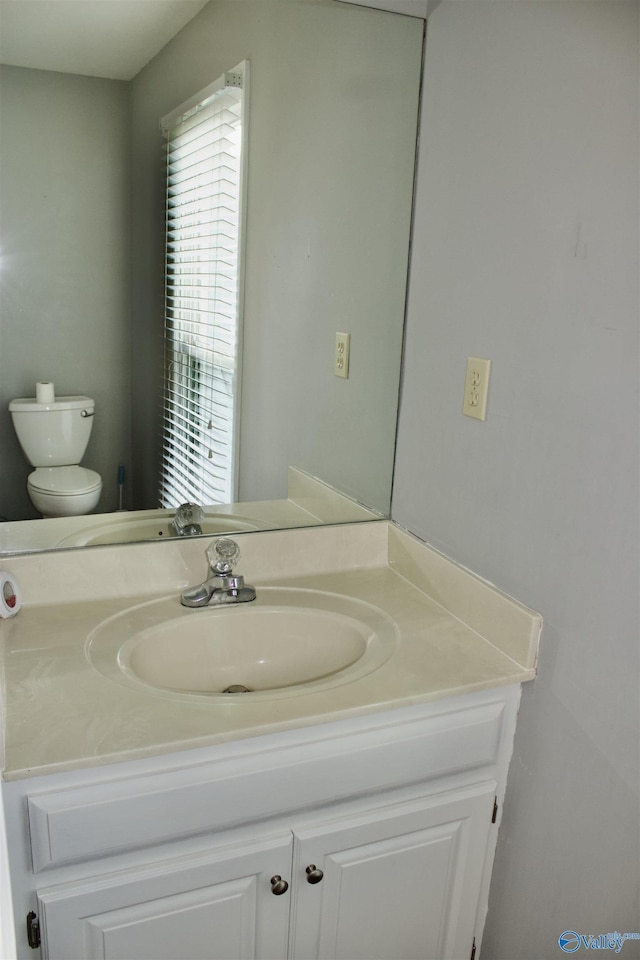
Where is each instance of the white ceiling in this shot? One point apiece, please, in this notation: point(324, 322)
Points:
point(111, 38)
point(100, 38)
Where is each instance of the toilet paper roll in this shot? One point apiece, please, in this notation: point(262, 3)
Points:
point(10, 596)
point(45, 392)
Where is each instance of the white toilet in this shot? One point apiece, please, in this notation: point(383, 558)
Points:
point(54, 437)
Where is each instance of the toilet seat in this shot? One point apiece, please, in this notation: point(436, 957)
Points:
point(64, 491)
point(64, 481)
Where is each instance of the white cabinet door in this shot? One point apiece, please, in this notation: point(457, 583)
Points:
point(218, 906)
point(402, 882)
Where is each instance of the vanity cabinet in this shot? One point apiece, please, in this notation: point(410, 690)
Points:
point(400, 881)
point(371, 838)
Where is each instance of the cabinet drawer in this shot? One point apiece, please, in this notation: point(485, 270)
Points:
point(109, 815)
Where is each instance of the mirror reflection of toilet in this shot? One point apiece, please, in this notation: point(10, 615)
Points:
point(53, 433)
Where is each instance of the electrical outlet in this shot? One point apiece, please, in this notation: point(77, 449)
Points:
point(476, 386)
point(341, 357)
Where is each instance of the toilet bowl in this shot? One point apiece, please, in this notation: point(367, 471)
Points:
point(64, 491)
point(54, 436)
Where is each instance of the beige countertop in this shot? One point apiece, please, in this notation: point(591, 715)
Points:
point(454, 634)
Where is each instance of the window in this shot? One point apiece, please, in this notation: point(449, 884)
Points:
point(203, 293)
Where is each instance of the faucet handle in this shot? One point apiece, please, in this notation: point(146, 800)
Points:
point(223, 554)
point(188, 519)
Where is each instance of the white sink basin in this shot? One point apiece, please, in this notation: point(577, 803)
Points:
point(155, 525)
point(285, 642)
point(258, 649)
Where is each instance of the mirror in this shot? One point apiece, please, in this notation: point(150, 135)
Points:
point(333, 118)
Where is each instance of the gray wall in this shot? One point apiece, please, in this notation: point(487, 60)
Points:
point(333, 113)
point(526, 252)
point(64, 283)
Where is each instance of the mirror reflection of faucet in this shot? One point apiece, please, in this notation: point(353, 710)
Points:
point(187, 521)
point(222, 585)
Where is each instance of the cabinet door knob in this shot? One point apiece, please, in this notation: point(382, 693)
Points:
point(278, 885)
point(314, 875)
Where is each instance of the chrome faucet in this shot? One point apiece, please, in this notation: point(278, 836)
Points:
point(221, 586)
point(187, 521)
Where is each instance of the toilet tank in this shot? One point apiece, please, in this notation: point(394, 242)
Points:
point(53, 434)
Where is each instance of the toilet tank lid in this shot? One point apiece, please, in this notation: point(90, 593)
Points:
point(31, 405)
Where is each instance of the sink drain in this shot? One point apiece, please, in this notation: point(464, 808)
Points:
point(238, 688)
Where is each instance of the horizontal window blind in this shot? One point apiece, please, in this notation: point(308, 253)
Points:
point(202, 295)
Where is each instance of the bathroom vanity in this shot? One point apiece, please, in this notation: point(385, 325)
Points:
point(349, 815)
